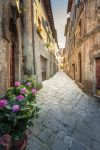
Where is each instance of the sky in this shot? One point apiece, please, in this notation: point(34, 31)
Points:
point(59, 8)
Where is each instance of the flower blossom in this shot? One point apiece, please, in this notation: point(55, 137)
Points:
point(5, 140)
point(17, 84)
point(15, 108)
point(23, 91)
point(3, 103)
point(20, 97)
point(28, 83)
point(34, 91)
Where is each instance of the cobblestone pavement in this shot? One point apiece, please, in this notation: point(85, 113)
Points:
point(68, 120)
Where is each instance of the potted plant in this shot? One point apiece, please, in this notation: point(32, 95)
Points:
point(17, 109)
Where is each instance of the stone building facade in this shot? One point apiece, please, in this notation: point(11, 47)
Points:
point(82, 33)
point(9, 44)
point(16, 42)
point(45, 40)
point(19, 56)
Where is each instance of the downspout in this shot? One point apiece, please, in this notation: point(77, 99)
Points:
point(32, 4)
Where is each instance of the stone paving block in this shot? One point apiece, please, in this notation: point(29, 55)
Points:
point(95, 146)
point(68, 140)
point(80, 112)
point(61, 135)
point(54, 125)
point(44, 107)
point(34, 143)
point(40, 118)
point(66, 109)
point(45, 135)
point(92, 108)
point(89, 120)
point(78, 116)
point(82, 138)
point(50, 141)
point(51, 125)
point(59, 145)
point(91, 115)
point(70, 121)
point(81, 107)
point(36, 129)
point(31, 147)
point(86, 129)
point(97, 135)
point(78, 146)
point(97, 119)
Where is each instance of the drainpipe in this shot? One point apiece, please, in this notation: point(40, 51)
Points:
point(32, 3)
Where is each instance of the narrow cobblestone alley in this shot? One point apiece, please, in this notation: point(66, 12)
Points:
point(69, 119)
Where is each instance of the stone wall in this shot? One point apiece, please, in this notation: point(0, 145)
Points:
point(83, 37)
point(10, 36)
point(6, 13)
point(41, 50)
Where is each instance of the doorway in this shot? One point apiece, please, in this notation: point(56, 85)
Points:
point(98, 76)
point(12, 65)
point(73, 71)
point(44, 68)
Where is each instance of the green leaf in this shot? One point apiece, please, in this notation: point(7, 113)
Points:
point(8, 106)
point(30, 123)
point(8, 115)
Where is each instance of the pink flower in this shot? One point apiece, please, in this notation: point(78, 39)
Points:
point(5, 140)
point(20, 97)
point(17, 84)
point(3, 103)
point(23, 91)
point(28, 83)
point(33, 91)
point(15, 108)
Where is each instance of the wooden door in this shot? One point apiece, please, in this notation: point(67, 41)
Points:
point(80, 68)
point(73, 71)
point(98, 76)
point(44, 68)
point(12, 66)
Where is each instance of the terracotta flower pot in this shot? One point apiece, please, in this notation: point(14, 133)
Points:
point(5, 142)
point(20, 144)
